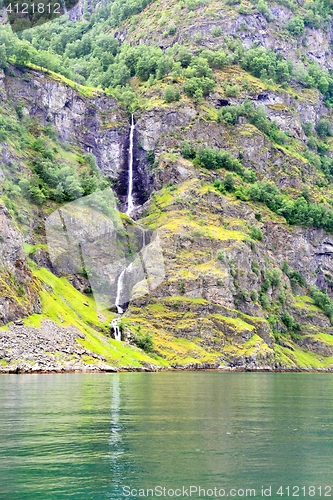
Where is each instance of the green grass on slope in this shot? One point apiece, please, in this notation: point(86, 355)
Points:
point(65, 305)
point(305, 302)
point(81, 89)
point(301, 358)
point(169, 349)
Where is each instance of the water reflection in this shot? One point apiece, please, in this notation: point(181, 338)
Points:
point(226, 429)
point(117, 451)
point(87, 436)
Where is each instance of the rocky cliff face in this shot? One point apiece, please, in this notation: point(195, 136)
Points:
point(98, 125)
point(210, 257)
point(237, 286)
point(215, 271)
point(19, 291)
point(250, 28)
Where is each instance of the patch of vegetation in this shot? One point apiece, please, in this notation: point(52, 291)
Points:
point(323, 301)
point(57, 181)
point(298, 211)
point(295, 277)
point(256, 116)
point(65, 305)
point(171, 94)
point(301, 358)
point(143, 340)
point(295, 26)
point(213, 158)
point(290, 323)
point(256, 233)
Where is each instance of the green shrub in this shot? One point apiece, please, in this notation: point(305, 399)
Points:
point(229, 183)
point(220, 255)
point(265, 285)
point(220, 186)
point(323, 127)
point(214, 158)
point(184, 56)
point(143, 340)
point(194, 86)
point(323, 301)
point(172, 29)
point(273, 320)
point(264, 9)
point(232, 90)
point(296, 26)
point(289, 322)
point(241, 194)
point(308, 128)
point(243, 10)
point(249, 175)
point(242, 295)
point(151, 157)
point(255, 267)
point(313, 143)
point(32, 192)
point(188, 151)
point(274, 276)
point(282, 298)
point(295, 277)
point(256, 233)
point(171, 94)
point(216, 31)
point(264, 301)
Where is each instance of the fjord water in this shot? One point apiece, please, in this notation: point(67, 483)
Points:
point(86, 436)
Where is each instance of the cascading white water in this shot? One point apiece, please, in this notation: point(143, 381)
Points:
point(116, 329)
point(130, 204)
point(119, 290)
point(143, 237)
point(130, 208)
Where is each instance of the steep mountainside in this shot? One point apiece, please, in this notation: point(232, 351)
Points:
point(232, 172)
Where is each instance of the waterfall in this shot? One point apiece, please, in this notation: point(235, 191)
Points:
point(130, 208)
point(143, 237)
point(119, 290)
point(130, 204)
point(116, 329)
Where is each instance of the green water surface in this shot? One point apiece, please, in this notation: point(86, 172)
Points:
point(113, 436)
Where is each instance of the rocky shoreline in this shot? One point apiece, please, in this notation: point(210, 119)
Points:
point(48, 348)
point(22, 369)
point(52, 348)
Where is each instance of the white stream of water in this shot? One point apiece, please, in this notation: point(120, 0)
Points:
point(130, 208)
point(119, 290)
point(143, 238)
point(116, 329)
point(130, 204)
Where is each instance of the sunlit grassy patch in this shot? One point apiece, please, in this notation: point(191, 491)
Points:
point(302, 358)
point(305, 302)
